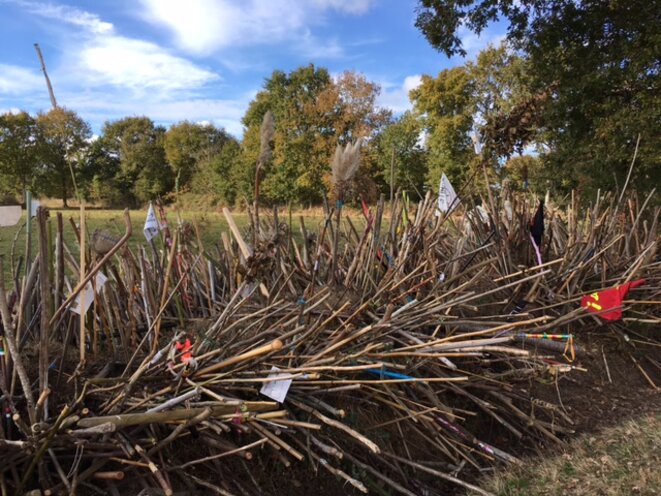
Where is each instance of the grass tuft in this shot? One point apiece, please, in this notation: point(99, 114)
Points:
point(622, 460)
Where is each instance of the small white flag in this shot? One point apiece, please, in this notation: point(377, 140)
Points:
point(276, 389)
point(34, 205)
point(89, 293)
point(477, 142)
point(151, 224)
point(447, 198)
point(10, 215)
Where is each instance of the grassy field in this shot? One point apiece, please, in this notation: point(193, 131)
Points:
point(211, 224)
point(621, 460)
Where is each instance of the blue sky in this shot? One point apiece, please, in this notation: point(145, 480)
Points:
point(204, 60)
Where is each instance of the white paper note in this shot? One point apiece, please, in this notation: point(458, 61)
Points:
point(277, 389)
point(89, 293)
point(151, 224)
point(447, 198)
point(34, 205)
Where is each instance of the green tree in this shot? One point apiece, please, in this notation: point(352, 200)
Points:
point(295, 172)
point(187, 145)
point(445, 106)
point(218, 176)
point(597, 60)
point(401, 140)
point(527, 171)
point(501, 80)
point(312, 114)
point(99, 171)
point(19, 152)
point(138, 143)
point(64, 136)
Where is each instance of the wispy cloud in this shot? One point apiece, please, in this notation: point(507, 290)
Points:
point(138, 65)
point(206, 26)
point(349, 6)
point(312, 47)
point(101, 57)
point(226, 113)
point(104, 75)
point(16, 80)
point(65, 13)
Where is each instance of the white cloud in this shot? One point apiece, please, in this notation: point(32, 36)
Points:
point(474, 43)
point(313, 48)
point(204, 26)
point(65, 13)
point(16, 80)
point(11, 110)
point(349, 6)
point(95, 56)
point(138, 65)
point(103, 75)
point(396, 96)
point(99, 107)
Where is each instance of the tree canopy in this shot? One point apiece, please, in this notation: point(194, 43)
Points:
point(19, 152)
point(312, 113)
point(138, 143)
point(597, 60)
point(64, 137)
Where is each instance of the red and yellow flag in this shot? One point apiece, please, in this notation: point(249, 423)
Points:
point(608, 303)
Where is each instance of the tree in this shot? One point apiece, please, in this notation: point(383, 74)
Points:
point(526, 171)
point(349, 106)
point(312, 115)
point(138, 143)
point(187, 145)
point(500, 79)
point(445, 107)
point(401, 140)
point(64, 136)
point(19, 152)
point(99, 170)
point(219, 176)
point(295, 169)
point(598, 61)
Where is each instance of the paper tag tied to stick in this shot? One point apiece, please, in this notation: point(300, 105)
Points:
point(151, 224)
point(276, 389)
point(89, 293)
point(447, 197)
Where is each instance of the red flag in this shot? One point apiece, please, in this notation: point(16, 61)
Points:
point(608, 303)
point(366, 211)
point(185, 349)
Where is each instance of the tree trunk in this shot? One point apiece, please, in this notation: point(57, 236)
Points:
point(63, 176)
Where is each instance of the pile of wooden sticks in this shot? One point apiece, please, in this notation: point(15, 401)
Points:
point(390, 350)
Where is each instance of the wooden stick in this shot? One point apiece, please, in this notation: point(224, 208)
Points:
point(274, 345)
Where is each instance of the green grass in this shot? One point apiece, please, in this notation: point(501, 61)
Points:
point(211, 224)
point(621, 460)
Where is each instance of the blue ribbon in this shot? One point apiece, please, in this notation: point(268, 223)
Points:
point(386, 373)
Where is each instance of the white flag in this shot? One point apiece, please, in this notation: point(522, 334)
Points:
point(276, 389)
point(10, 215)
point(477, 142)
point(34, 205)
point(151, 224)
point(447, 198)
point(89, 293)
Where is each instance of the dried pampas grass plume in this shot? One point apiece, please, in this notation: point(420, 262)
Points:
point(344, 166)
point(266, 136)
